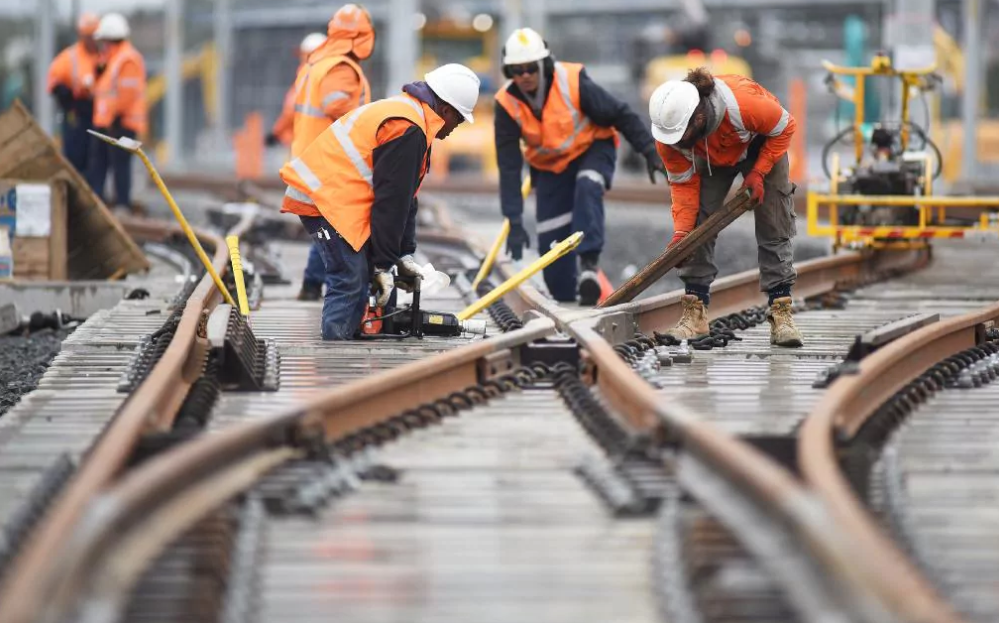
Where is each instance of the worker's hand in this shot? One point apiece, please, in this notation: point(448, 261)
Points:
point(654, 163)
point(677, 237)
point(271, 140)
point(408, 269)
point(517, 239)
point(383, 282)
point(754, 182)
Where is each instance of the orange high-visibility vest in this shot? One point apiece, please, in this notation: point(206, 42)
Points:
point(121, 90)
point(335, 172)
point(310, 117)
point(563, 133)
point(74, 67)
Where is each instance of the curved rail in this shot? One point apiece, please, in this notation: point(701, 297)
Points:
point(151, 407)
point(121, 529)
point(850, 403)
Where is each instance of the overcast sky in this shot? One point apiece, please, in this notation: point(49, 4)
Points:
point(65, 7)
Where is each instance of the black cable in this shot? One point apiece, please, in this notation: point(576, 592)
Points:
point(829, 145)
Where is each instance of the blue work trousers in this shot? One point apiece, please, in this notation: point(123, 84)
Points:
point(347, 278)
point(571, 201)
point(75, 140)
point(101, 157)
point(315, 272)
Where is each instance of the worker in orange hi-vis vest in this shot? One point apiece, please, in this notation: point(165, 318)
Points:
point(119, 107)
point(71, 82)
point(354, 188)
point(329, 86)
point(709, 129)
point(568, 125)
point(284, 126)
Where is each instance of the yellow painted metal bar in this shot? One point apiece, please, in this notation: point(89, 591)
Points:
point(555, 253)
point(135, 147)
point(858, 118)
point(908, 231)
point(875, 70)
point(905, 201)
point(487, 264)
point(237, 272)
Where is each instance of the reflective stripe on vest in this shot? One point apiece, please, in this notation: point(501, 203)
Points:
point(310, 113)
point(103, 97)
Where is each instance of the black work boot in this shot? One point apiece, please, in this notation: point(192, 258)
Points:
point(310, 291)
point(589, 281)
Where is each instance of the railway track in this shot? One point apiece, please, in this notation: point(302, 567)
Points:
point(532, 474)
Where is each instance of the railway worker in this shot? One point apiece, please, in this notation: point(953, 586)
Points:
point(283, 129)
point(569, 127)
point(355, 187)
point(71, 81)
point(709, 129)
point(119, 107)
point(329, 86)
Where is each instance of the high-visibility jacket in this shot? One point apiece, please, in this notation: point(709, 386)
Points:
point(284, 125)
point(335, 172)
point(74, 67)
point(121, 90)
point(748, 111)
point(323, 95)
point(563, 133)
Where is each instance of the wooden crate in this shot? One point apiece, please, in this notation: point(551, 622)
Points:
point(97, 246)
point(38, 257)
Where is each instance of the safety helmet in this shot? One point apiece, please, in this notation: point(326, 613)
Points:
point(671, 106)
point(113, 27)
point(311, 41)
point(351, 30)
point(457, 85)
point(87, 24)
point(525, 45)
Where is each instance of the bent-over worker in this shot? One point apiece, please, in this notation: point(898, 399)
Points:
point(362, 177)
point(708, 130)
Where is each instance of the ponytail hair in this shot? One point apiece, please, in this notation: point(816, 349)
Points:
point(702, 79)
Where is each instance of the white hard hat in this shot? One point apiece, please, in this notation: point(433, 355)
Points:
point(457, 85)
point(113, 26)
point(525, 45)
point(311, 41)
point(671, 106)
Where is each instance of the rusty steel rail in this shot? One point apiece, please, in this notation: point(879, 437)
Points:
point(850, 402)
point(151, 407)
point(112, 532)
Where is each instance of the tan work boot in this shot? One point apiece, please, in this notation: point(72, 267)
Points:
point(783, 332)
point(693, 323)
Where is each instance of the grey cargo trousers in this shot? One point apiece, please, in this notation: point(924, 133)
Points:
point(775, 225)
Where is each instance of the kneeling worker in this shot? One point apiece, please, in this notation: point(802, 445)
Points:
point(362, 175)
point(567, 123)
point(710, 129)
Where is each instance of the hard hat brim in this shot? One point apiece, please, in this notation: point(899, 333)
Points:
point(669, 137)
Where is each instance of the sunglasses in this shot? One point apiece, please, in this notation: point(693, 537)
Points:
point(520, 70)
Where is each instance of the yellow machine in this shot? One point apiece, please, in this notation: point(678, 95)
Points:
point(884, 198)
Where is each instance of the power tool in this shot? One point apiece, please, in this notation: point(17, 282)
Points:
point(411, 321)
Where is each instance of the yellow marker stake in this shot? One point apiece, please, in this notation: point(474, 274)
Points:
point(557, 251)
point(237, 273)
point(487, 264)
point(135, 147)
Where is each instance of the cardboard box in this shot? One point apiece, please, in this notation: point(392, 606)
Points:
point(34, 214)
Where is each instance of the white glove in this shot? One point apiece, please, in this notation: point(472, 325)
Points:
point(383, 282)
point(408, 267)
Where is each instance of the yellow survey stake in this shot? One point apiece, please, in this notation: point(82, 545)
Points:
point(237, 273)
point(135, 147)
point(556, 252)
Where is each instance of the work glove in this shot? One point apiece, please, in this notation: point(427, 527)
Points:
point(677, 237)
point(408, 269)
point(271, 140)
point(63, 96)
point(754, 182)
point(517, 239)
point(383, 282)
point(654, 163)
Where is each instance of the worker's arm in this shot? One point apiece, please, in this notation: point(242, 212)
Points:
point(59, 80)
point(684, 188)
point(763, 114)
point(339, 91)
point(285, 122)
point(605, 110)
point(409, 235)
point(396, 166)
point(510, 162)
point(131, 84)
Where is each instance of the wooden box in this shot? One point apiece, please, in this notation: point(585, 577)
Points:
point(35, 215)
